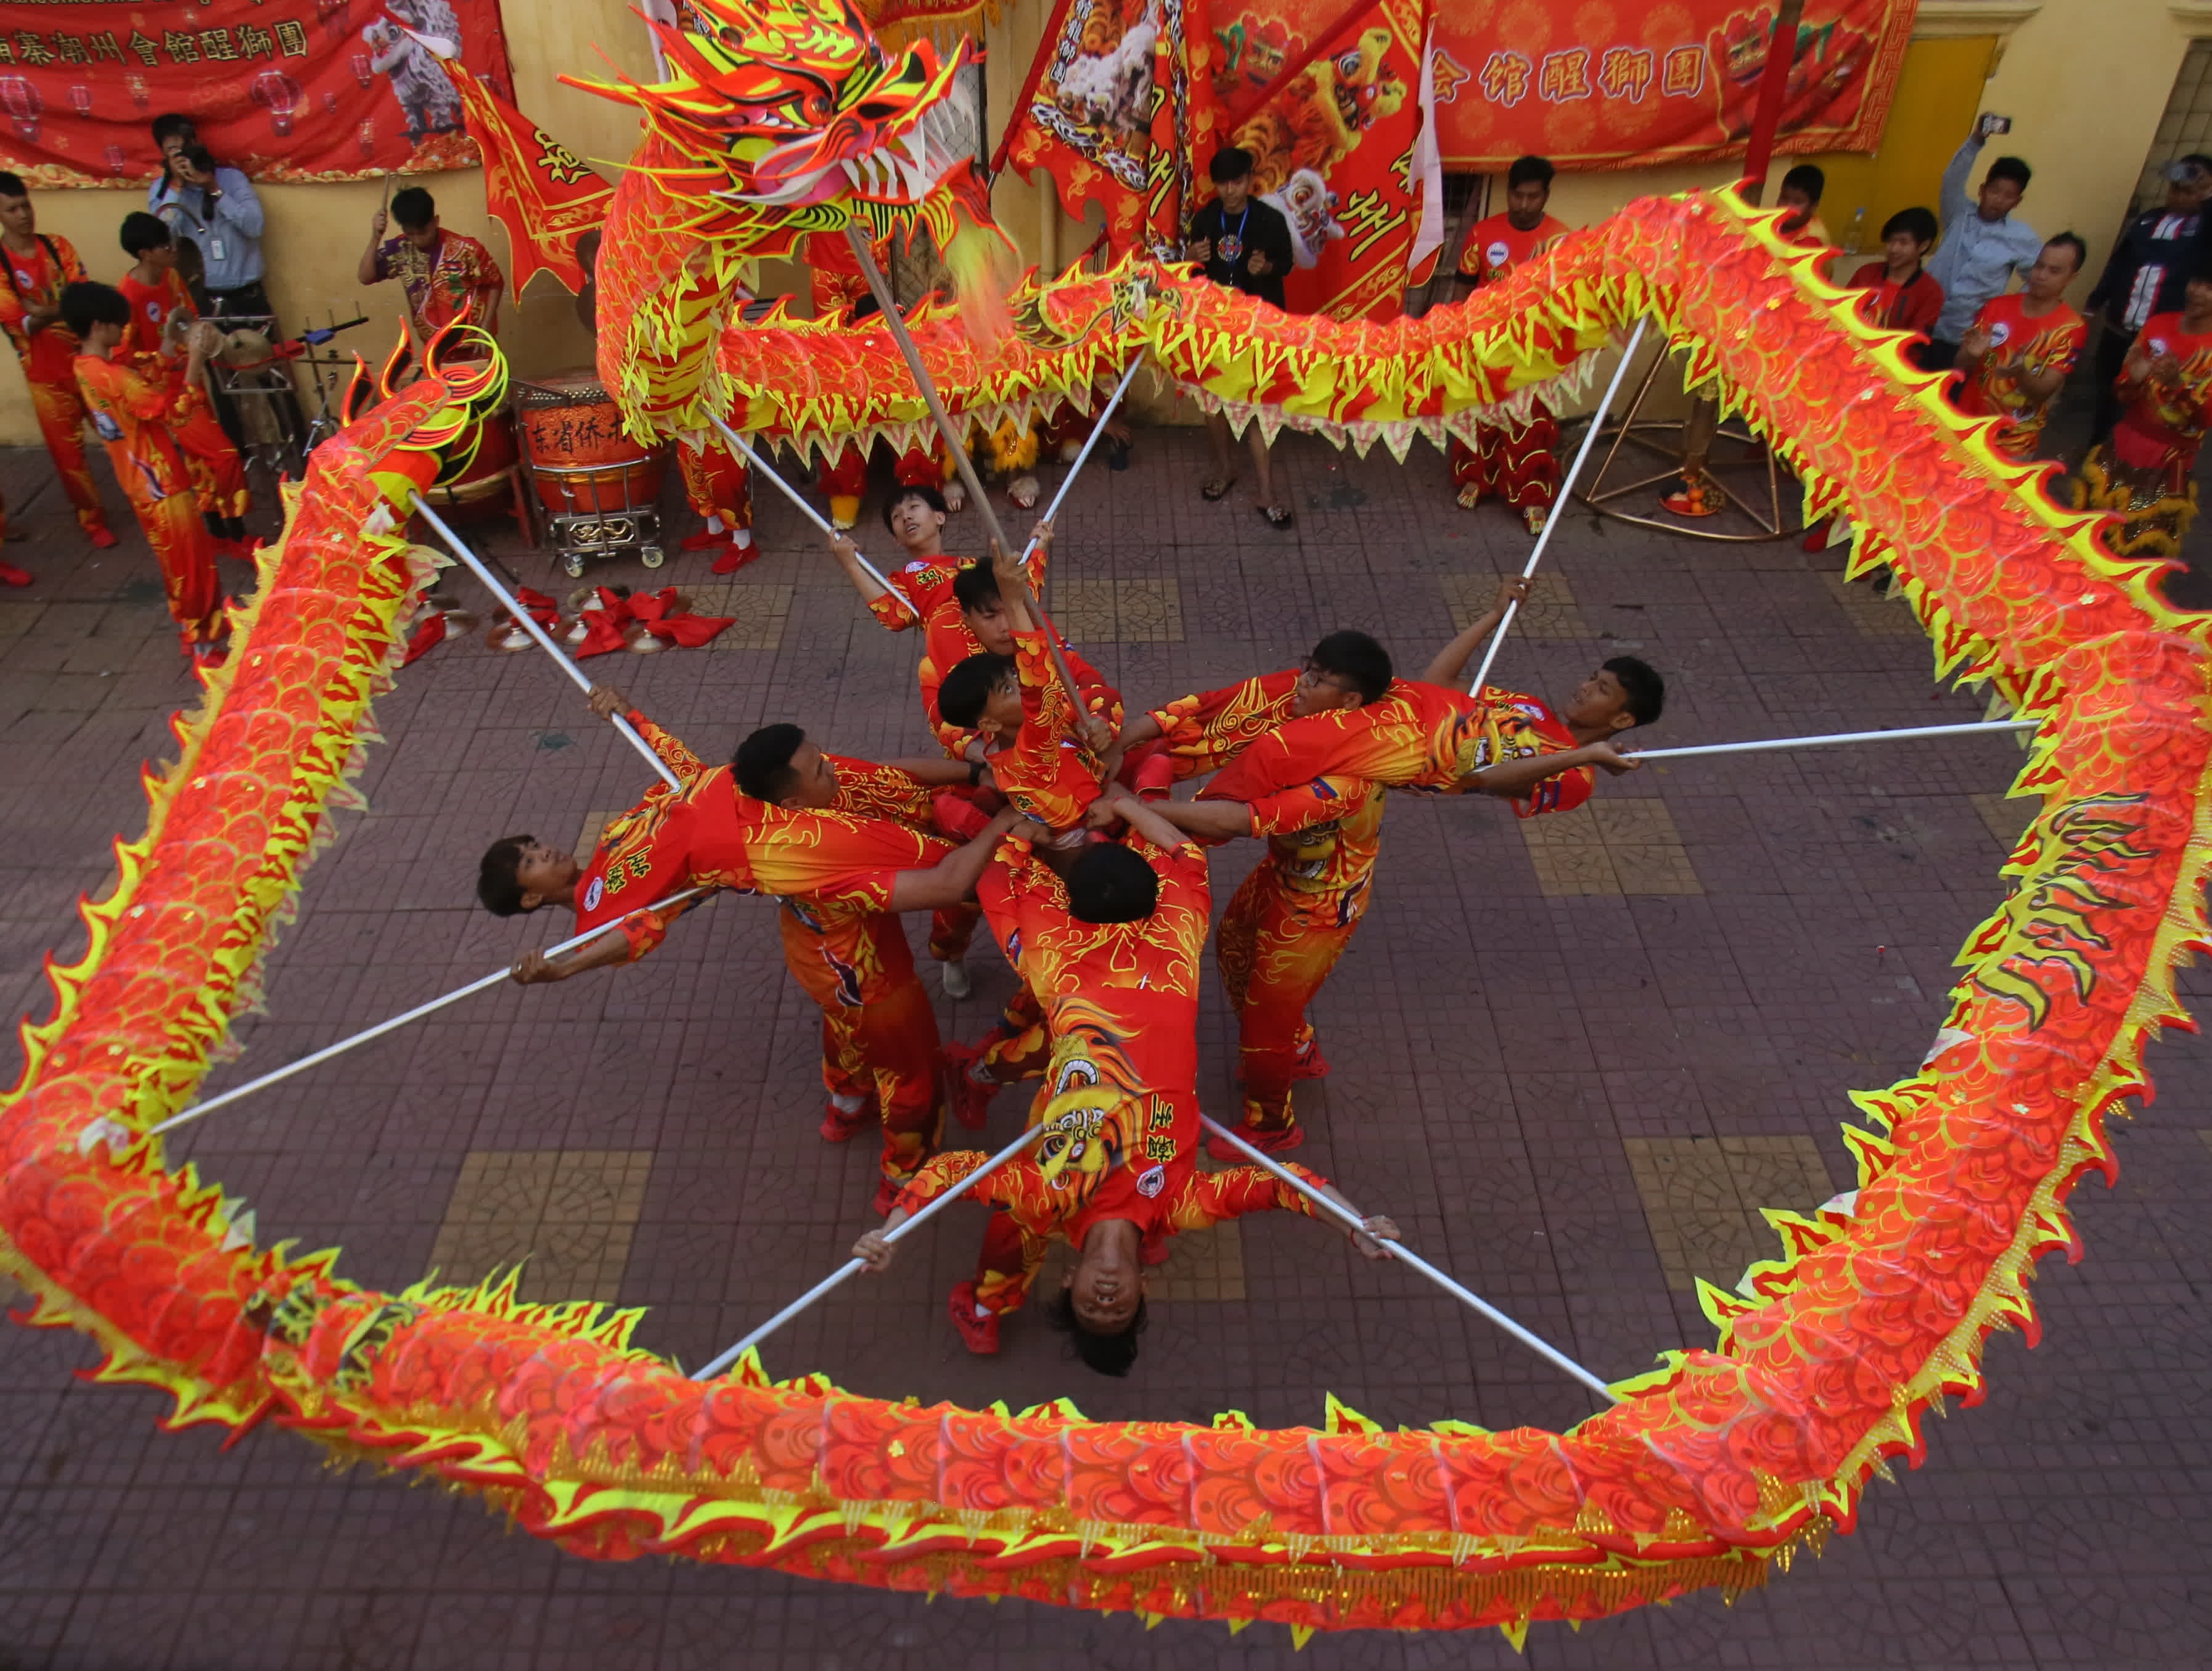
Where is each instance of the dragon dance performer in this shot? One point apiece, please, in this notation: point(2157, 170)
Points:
point(132, 412)
point(161, 310)
point(1427, 735)
point(2021, 348)
point(721, 490)
point(35, 268)
point(1518, 463)
point(843, 844)
point(1113, 951)
point(1289, 922)
point(2165, 390)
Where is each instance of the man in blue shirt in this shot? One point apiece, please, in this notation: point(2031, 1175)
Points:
point(1983, 245)
point(216, 208)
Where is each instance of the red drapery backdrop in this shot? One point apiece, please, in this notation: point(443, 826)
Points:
point(281, 90)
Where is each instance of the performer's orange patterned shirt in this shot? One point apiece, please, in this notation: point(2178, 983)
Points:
point(1042, 1208)
point(1204, 732)
point(1496, 246)
point(36, 279)
point(131, 406)
point(670, 841)
point(2020, 344)
point(1048, 773)
point(1120, 1093)
point(1420, 737)
point(151, 306)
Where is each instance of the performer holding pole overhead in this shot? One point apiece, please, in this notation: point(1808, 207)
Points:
point(843, 844)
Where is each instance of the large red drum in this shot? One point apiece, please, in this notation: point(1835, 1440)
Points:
point(488, 484)
point(579, 457)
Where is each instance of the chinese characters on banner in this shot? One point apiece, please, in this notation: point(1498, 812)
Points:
point(535, 186)
point(1601, 87)
point(281, 90)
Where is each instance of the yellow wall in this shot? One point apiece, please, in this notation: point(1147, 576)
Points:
point(2085, 81)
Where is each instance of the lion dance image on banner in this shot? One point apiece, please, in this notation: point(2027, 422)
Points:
point(1712, 1468)
point(285, 90)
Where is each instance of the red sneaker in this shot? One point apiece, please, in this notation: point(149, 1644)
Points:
point(1311, 1064)
point(104, 537)
point(738, 554)
point(1267, 1142)
point(1816, 537)
point(970, 1101)
point(11, 575)
point(979, 1334)
point(839, 1126)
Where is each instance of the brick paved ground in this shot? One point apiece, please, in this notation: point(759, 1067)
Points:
point(1571, 1059)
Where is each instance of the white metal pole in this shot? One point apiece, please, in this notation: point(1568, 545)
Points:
point(1089, 441)
point(806, 510)
point(199, 1109)
point(1399, 1251)
point(852, 1265)
point(458, 547)
point(1837, 737)
point(1559, 504)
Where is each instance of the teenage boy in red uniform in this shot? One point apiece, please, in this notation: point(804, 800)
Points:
point(2019, 349)
point(35, 267)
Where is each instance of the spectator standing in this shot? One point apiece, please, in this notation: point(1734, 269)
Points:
point(1244, 244)
point(2147, 274)
point(2019, 349)
point(38, 267)
point(215, 208)
point(448, 276)
point(2143, 472)
point(1983, 245)
point(1904, 297)
point(1517, 462)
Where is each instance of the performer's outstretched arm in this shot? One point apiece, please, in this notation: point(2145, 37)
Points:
point(1514, 779)
point(1212, 820)
point(1449, 667)
point(870, 588)
point(1013, 590)
point(1140, 816)
point(953, 877)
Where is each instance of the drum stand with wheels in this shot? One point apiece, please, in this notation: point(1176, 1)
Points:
point(1699, 439)
point(581, 506)
point(578, 537)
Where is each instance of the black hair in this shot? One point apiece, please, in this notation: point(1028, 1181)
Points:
point(763, 762)
point(961, 699)
point(1346, 654)
point(11, 185)
point(143, 232)
point(1229, 162)
point(1807, 178)
point(2073, 243)
point(1920, 222)
point(1641, 684)
point(2011, 169)
point(1530, 170)
point(414, 208)
point(1109, 882)
point(85, 304)
point(2196, 160)
point(499, 878)
point(170, 125)
point(976, 587)
point(200, 157)
point(921, 490)
point(1108, 1354)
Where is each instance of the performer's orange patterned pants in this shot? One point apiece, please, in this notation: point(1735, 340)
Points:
point(1521, 466)
point(60, 408)
point(1007, 1264)
point(717, 483)
point(878, 1035)
point(1273, 950)
point(186, 551)
point(212, 460)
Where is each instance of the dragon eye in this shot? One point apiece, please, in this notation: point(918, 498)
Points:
point(1347, 65)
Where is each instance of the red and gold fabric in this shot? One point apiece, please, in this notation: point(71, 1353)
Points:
point(716, 482)
point(541, 192)
point(1202, 733)
point(2146, 472)
point(670, 841)
point(130, 412)
point(445, 283)
point(946, 639)
point(1048, 773)
point(1033, 1202)
point(1420, 737)
point(1120, 1001)
point(2021, 344)
point(34, 280)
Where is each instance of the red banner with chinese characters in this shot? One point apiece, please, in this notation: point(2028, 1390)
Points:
point(281, 89)
point(535, 186)
point(1328, 104)
point(1609, 86)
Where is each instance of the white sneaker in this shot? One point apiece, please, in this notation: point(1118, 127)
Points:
point(957, 981)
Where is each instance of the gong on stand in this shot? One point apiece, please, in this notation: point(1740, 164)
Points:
point(1742, 481)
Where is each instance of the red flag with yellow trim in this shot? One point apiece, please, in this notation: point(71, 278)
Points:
point(535, 186)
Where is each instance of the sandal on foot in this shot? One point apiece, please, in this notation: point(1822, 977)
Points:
point(1278, 516)
point(1216, 487)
